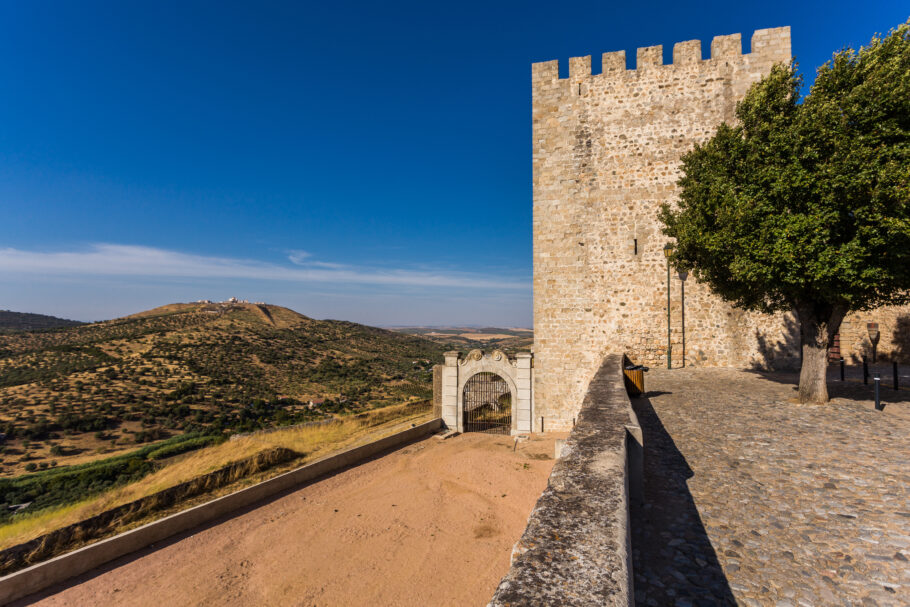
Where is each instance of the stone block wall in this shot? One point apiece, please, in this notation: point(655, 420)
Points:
point(894, 341)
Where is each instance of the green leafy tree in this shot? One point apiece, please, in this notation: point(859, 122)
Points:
point(805, 206)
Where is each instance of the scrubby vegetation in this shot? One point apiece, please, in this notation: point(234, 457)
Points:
point(72, 394)
point(54, 362)
point(25, 321)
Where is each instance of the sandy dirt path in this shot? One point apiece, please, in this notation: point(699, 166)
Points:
point(430, 524)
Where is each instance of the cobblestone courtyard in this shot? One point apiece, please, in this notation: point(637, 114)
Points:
point(754, 500)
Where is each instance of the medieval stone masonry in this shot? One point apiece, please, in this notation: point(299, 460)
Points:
point(606, 152)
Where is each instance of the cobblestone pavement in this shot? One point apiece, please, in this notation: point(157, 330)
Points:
point(754, 500)
point(885, 371)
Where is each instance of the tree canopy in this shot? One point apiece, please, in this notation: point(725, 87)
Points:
point(804, 204)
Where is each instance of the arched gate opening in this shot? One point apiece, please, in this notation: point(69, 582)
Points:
point(484, 392)
point(487, 404)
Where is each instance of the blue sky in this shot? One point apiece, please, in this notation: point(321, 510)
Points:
point(365, 161)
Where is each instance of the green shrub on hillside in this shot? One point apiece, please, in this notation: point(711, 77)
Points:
point(58, 486)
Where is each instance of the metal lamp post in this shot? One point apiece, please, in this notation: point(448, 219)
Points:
point(668, 250)
point(683, 275)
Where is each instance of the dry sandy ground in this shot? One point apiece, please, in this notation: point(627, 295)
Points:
point(430, 524)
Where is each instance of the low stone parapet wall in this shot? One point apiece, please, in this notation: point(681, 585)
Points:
point(576, 549)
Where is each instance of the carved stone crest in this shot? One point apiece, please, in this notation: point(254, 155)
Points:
point(496, 355)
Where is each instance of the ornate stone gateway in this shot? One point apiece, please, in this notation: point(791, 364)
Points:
point(487, 392)
point(487, 404)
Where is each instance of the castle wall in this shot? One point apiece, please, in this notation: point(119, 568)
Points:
point(894, 340)
point(606, 151)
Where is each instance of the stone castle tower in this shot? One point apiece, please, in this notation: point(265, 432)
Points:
point(606, 155)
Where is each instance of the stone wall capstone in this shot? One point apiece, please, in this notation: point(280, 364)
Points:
point(576, 549)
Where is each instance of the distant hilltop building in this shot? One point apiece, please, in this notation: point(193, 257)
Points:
point(232, 300)
point(606, 154)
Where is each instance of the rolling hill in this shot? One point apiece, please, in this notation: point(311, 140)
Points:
point(74, 394)
point(26, 321)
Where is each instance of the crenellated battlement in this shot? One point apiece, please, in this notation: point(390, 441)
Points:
point(767, 46)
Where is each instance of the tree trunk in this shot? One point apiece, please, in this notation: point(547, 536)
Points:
point(818, 324)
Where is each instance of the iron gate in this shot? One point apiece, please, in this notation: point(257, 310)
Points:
point(487, 404)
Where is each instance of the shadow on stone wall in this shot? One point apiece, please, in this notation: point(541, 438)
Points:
point(673, 560)
point(780, 352)
point(901, 340)
point(783, 353)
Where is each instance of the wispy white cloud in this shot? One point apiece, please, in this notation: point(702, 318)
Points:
point(298, 257)
point(302, 258)
point(131, 260)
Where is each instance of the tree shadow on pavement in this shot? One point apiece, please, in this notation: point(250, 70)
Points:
point(853, 388)
point(674, 562)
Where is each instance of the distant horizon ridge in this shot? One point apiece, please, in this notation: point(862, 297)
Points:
point(237, 301)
